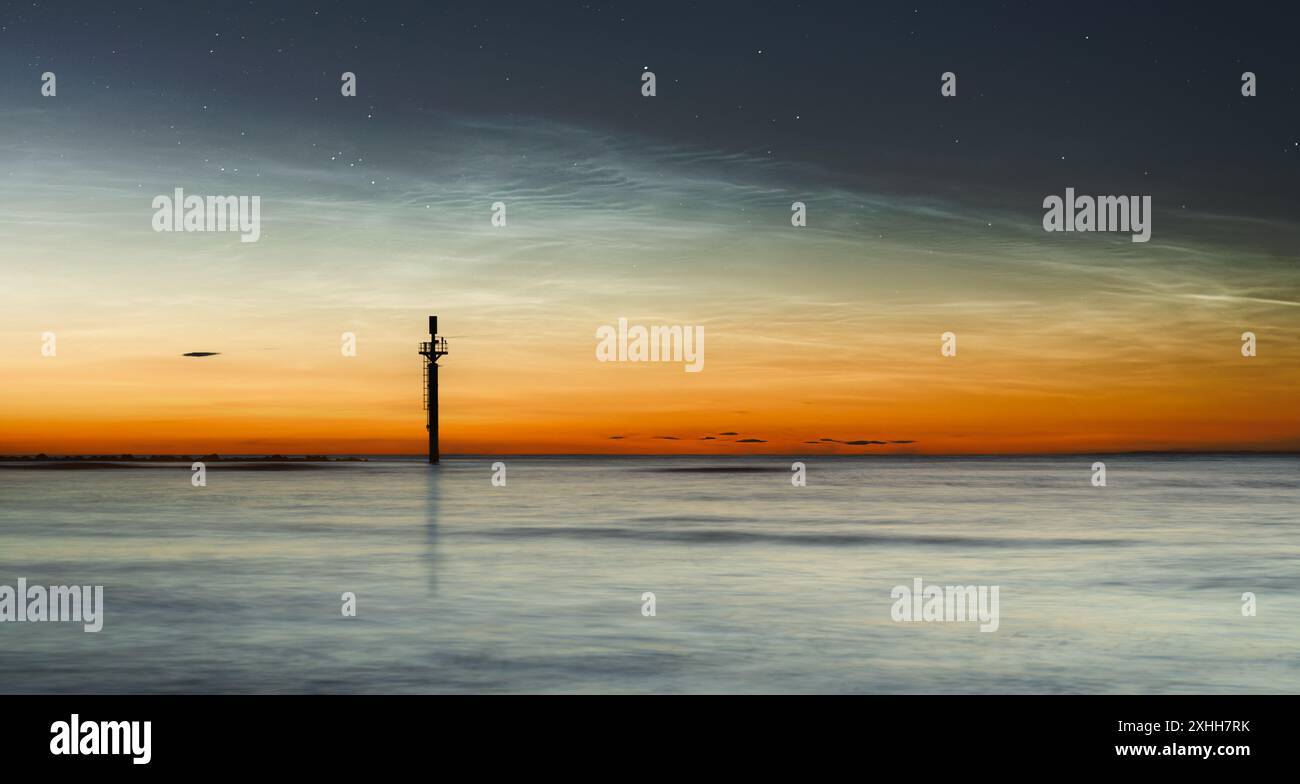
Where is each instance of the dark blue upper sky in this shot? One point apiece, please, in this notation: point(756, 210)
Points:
point(1123, 97)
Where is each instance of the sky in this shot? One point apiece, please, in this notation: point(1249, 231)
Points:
point(924, 216)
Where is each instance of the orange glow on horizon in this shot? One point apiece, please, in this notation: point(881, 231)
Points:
point(892, 389)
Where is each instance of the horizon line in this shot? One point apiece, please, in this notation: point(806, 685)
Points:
point(418, 455)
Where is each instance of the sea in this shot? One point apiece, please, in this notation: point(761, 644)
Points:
point(659, 575)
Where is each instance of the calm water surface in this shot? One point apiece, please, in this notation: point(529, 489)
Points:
point(760, 586)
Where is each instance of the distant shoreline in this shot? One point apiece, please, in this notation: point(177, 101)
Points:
point(213, 458)
point(101, 459)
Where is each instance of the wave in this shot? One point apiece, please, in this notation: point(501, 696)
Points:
point(834, 539)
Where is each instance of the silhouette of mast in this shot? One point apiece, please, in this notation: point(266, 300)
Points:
point(432, 350)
